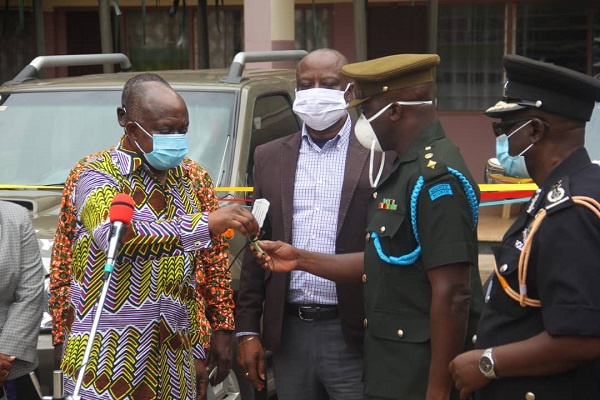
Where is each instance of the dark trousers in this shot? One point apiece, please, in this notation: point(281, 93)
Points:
point(314, 362)
point(20, 388)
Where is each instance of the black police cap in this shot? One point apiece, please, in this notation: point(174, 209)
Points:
point(548, 87)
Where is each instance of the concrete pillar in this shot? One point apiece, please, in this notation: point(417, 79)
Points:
point(269, 25)
point(105, 32)
point(360, 29)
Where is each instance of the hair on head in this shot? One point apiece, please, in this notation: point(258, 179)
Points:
point(135, 89)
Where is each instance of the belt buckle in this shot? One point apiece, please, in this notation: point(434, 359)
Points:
point(300, 314)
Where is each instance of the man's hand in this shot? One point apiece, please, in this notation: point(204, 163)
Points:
point(279, 257)
point(251, 358)
point(5, 367)
point(201, 379)
point(465, 372)
point(235, 217)
point(220, 355)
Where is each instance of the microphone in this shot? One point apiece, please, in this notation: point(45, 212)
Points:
point(120, 214)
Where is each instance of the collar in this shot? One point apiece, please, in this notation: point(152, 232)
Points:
point(129, 161)
point(575, 162)
point(555, 192)
point(429, 134)
point(343, 133)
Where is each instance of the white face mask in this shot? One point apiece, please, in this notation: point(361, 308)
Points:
point(364, 131)
point(320, 108)
point(367, 138)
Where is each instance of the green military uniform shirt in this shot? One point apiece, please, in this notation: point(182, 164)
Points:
point(398, 297)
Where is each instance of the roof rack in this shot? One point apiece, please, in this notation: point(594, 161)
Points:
point(239, 61)
point(32, 70)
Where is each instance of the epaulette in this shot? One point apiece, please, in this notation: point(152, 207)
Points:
point(430, 165)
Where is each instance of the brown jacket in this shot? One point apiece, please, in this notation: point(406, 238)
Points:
point(275, 168)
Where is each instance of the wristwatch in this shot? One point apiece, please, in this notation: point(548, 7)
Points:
point(487, 365)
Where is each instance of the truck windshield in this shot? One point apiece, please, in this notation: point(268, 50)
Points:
point(45, 133)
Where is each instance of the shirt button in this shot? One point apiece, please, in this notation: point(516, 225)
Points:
point(530, 396)
point(368, 237)
point(198, 243)
point(365, 323)
point(400, 333)
point(374, 195)
point(474, 339)
point(382, 229)
point(364, 278)
point(503, 268)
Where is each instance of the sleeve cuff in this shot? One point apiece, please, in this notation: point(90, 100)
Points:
point(451, 254)
point(240, 334)
point(195, 234)
point(198, 352)
point(572, 320)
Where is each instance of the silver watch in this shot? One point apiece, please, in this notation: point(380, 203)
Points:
point(487, 365)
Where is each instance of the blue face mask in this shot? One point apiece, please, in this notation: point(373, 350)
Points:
point(167, 149)
point(513, 165)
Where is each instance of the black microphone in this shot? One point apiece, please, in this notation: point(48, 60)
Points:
point(120, 214)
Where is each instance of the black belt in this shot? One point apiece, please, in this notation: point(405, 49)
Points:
point(312, 312)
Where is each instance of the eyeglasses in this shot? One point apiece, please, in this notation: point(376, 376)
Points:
point(502, 128)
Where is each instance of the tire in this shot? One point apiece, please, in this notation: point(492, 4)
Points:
point(229, 389)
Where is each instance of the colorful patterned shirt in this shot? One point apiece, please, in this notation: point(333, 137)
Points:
point(213, 280)
point(148, 336)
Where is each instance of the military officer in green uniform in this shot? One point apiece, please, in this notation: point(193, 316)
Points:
point(422, 287)
point(539, 333)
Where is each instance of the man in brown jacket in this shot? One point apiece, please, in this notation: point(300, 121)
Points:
point(317, 182)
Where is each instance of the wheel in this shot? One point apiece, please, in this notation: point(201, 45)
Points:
point(229, 389)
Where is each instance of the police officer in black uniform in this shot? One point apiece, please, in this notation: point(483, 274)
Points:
point(422, 287)
point(539, 334)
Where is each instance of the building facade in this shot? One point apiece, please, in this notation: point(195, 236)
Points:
point(471, 38)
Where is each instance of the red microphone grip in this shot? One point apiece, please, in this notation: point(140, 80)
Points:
point(121, 209)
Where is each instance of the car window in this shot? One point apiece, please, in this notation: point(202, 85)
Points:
point(45, 133)
point(211, 125)
point(272, 118)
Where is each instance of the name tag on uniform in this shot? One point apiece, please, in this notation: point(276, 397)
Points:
point(439, 190)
